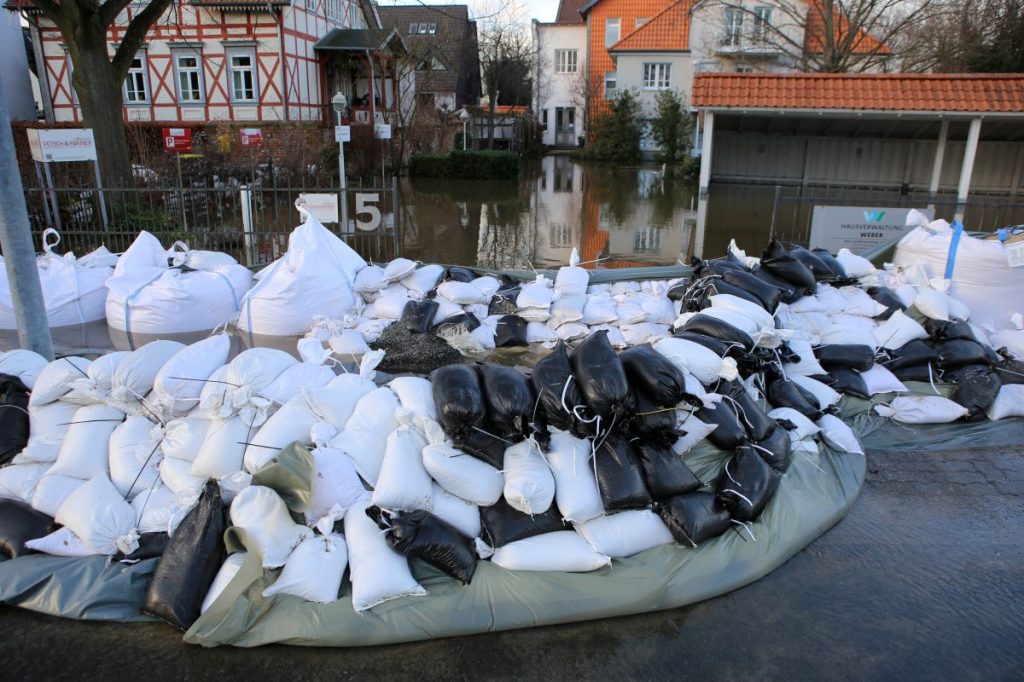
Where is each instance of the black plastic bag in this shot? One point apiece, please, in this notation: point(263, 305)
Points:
point(776, 448)
point(821, 272)
point(912, 354)
point(678, 290)
point(190, 563)
point(718, 329)
point(457, 273)
point(457, 398)
point(977, 392)
point(510, 400)
point(846, 356)
point(665, 473)
point(1010, 371)
point(654, 375)
point(958, 374)
point(926, 372)
point(460, 322)
point(14, 421)
point(948, 330)
point(784, 393)
point(720, 286)
point(849, 382)
point(619, 476)
point(694, 517)
point(768, 294)
point(960, 352)
point(422, 535)
point(151, 546)
point(19, 523)
point(782, 264)
point(756, 421)
point(888, 298)
point(557, 390)
point(504, 303)
point(790, 292)
point(826, 257)
point(717, 346)
point(728, 433)
point(702, 268)
point(502, 524)
point(653, 423)
point(510, 331)
point(747, 484)
point(601, 377)
point(418, 316)
point(483, 445)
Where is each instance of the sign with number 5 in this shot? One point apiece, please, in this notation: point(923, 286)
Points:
point(365, 207)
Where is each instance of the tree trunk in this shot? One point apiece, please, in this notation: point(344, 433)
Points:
point(99, 94)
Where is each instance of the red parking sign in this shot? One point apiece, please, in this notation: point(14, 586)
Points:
point(251, 137)
point(177, 140)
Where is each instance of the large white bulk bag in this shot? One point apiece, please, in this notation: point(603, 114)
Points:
point(96, 385)
point(416, 395)
point(313, 571)
point(1009, 402)
point(565, 551)
point(458, 473)
point(336, 484)
point(922, 409)
point(145, 295)
point(313, 278)
point(626, 533)
point(97, 514)
point(228, 570)
point(576, 491)
point(134, 456)
point(268, 527)
point(135, 375)
point(48, 426)
point(184, 437)
point(529, 485)
point(51, 491)
point(462, 515)
point(55, 380)
point(223, 448)
point(365, 436)
point(403, 483)
point(180, 381)
point(24, 364)
point(378, 573)
point(19, 480)
point(84, 453)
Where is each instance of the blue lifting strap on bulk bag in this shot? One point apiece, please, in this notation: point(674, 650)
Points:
point(954, 244)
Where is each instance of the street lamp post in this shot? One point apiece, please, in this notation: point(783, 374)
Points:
point(464, 117)
point(340, 103)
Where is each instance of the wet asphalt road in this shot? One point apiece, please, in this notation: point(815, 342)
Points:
point(924, 579)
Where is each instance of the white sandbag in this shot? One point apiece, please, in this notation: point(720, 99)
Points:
point(184, 437)
point(293, 422)
point(364, 439)
point(313, 571)
point(484, 335)
point(572, 331)
point(878, 379)
point(838, 435)
point(390, 306)
point(333, 407)
point(922, 409)
point(240, 390)
point(134, 456)
point(898, 330)
point(849, 334)
point(397, 270)
point(615, 337)
point(95, 387)
point(629, 312)
point(445, 309)
point(270, 531)
point(51, 491)
point(534, 314)
point(174, 473)
point(19, 480)
point(643, 332)
point(529, 485)
point(84, 452)
point(1009, 402)
point(625, 533)
point(854, 265)
point(600, 309)
point(403, 483)
point(378, 573)
point(372, 329)
point(659, 309)
point(228, 570)
point(572, 280)
point(461, 293)
point(336, 484)
point(223, 448)
point(136, 374)
point(599, 289)
point(932, 304)
point(48, 426)
point(958, 310)
point(565, 551)
point(180, 381)
point(300, 376)
point(762, 318)
point(24, 364)
point(61, 542)
point(857, 302)
point(538, 332)
point(731, 317)
point(1010, 339)
point(349, 342)
point(416, 395)
point(460, 474)
point(824, 394)
point(55, 380)
point(537, 294)
point(568, 308)
point(313, 278)
point(423, 281)
point(809, 304)
point(97, 514)
point(576, 491)
point(813, 324)
point(808, 365)
point(619, 288)
point(696, 431)
point(805, 428)
point(487, 285)
point(699, 361)
point(462, 515)
point(364, 377)
point(154, 508)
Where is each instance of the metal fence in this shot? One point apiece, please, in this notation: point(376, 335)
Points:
point(252, 223)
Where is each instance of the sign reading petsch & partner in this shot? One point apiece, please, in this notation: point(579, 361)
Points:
point(323, 207)
point(858, 228)
point(67, 144)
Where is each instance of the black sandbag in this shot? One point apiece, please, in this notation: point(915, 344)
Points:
point(926, 372)
point(957, 374)
point(960, 352)
point(826, 257)
point(418, 316)
point(502, 524)
point(720, 286)
point(915, 353)
point(510, 400)
point(601, 377)
point(190, 562)
point(655, 375)
point(483, 445)
point(457, 398)
point(694, 517)
point(717, 266)
point(14, 421)
point(768, 294)
point(1010, 371)
point(776, 448)
point(652, 422)
point(151, 546)
point(504, 303)
point(728, 433)
point(784, 393)
point(459, 322)
point(510, 332)
point(846, 356)
point(821, 272)
point(777, 260)
point(619, 475)
point(790, 292)
point(665, 473)
point(422, 535)
point(552, 380)
point(948, 330)
point(19, 523)
point(457, 273)
point(888, 298)
point(849, 382)
point(677, 291)
point(977, 392)
point(754, 419)
point(718, 329)
point(747, 484)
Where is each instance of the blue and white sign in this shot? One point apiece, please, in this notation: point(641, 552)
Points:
point(858, 228)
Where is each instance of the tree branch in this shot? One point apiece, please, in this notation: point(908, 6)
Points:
point(135, 35)
point(55, 13)
point(110, 9)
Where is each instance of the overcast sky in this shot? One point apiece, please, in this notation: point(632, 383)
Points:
point(542, 10)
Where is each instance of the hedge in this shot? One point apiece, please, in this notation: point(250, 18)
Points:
point(478, 165)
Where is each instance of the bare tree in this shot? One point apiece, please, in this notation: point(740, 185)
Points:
point(969, 36)
point(506, 58)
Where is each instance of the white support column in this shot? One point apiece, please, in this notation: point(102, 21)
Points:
point(704, 182)
point(967, 169)
point(940, 157)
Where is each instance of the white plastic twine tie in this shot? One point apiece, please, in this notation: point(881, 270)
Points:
point(744, 526)
point(727, 473)
point(126, 544)
point(739, 494)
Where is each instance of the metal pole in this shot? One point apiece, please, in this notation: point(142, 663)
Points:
point(19, 254)
point(463, 136)
point(775, 207)
point(245, 193)
point(103, 203)
point(344, 182)
point(181, 195)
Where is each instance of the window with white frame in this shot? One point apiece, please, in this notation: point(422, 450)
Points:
point(355, 17)
point(762, 24)
point(611, 84)
point(744, 68)
point(657, 76)
point(136, 84)
point(188, 68)
point(733, 26)
point(612, 29)
point(334, 10)
point(544, 120)
point(566, 61)
point(242, 72)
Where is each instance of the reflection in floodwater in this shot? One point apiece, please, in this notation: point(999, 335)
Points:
point(615, 216)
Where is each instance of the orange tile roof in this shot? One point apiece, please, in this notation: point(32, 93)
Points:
point(814, 32)
point(667, 31)
point(981, 93)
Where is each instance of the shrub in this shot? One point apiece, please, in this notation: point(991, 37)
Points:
point(616, 131)
point(431, 165)
point(671, 127)
point(476, 165)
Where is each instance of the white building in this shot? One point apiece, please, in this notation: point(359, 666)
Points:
point(560, 81)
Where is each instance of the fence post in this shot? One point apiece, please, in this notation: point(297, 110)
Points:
point(245, 195)
point(775, 207)
point(397, 212)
